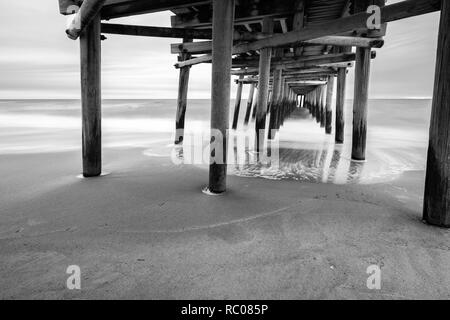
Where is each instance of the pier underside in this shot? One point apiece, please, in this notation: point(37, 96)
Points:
point(290, 52)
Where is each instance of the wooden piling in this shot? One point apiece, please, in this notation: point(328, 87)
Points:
point(90, 53)
point(323, 90)
point(222, 43)
point(328, 111)
point(436, 209)
point(263, 87)
point(255, 103)
point(277, 80)
point(183, 84)
point(249, 104)
point(340, 103)
point(237, 106)
point(360, 104)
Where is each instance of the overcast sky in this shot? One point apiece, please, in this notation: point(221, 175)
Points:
point(38, 61)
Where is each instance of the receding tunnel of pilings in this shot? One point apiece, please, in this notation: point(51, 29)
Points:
point(290, 51)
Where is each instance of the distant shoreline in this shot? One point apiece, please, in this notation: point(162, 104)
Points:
point(149, 99)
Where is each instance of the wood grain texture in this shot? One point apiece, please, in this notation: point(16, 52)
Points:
point(90, 59)
point(329, 112)
point(263, 88)
point(249, 104)
point(360, 103)
point(436, 209)
point(183, 85)
point(340, 103)
point(237, 105)
point(223, 16)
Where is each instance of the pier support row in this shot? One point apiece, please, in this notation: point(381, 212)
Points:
point(223, 25)
point(436, 208)
point(90, 58)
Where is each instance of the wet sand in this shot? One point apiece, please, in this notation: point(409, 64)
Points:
point(147, 231)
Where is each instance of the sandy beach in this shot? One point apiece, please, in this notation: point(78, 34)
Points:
point(146, 231)
point(225, 150)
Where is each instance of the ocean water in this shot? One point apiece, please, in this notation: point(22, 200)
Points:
point(397, 137)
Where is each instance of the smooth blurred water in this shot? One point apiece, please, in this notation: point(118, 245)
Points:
point(397, 136)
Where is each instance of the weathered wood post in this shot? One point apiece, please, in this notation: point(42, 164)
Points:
point(315, 103)
point(237, 106)
point(361, 97)
point(340, 100)
point(340, 103)
point(90, 52)
point(323, 91)
point(436, 208)
point(329, 112)
point(249, 104)
point(277, 80)
point(255, 103)
point(222, 43)
point(263, 87)
point(183, 84)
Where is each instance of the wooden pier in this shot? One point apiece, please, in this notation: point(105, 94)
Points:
point(292, 54)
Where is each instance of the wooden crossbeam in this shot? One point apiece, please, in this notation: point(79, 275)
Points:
point(144, 31)
point(243, 15)
point(179, 33)
point(137, 7)
point(393, 12)
point(305, 83)
point(206, 46)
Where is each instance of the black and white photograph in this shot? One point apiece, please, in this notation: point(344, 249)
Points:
point(225, 155)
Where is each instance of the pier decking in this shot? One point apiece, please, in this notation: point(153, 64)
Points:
point(289, 52)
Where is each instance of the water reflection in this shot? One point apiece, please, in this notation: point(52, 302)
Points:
point(324, 163)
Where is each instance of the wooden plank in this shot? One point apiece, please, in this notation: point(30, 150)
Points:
point(138, 7)
point(223, 17)
point(90, 57)
point(436, 209)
